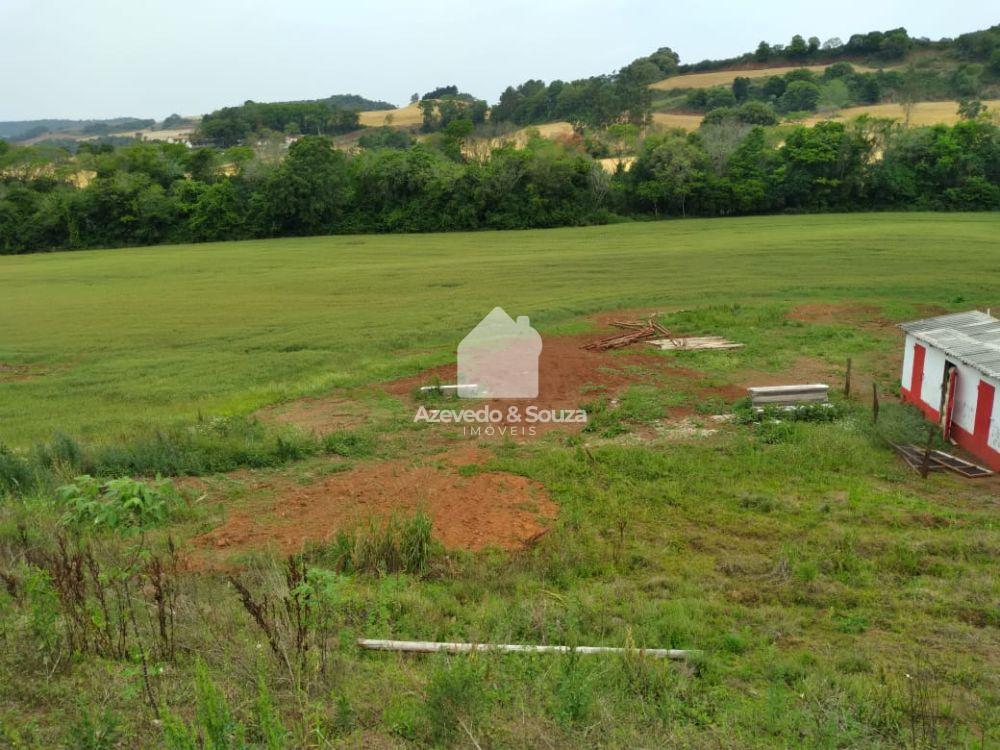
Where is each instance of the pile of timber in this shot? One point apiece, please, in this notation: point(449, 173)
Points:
point(935, 460)
point(789, 395)
point(634, 332)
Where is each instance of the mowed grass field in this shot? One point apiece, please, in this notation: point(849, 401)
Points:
point(837, 599)
point(101, 343)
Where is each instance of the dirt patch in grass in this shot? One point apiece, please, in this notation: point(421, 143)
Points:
point(868, 316)
point(568, 377)
point(319, 415)
point(10, 373)
point(470, 509)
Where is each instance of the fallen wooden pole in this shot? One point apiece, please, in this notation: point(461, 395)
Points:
point(431, 647)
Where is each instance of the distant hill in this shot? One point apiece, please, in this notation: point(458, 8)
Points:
point(26, 129)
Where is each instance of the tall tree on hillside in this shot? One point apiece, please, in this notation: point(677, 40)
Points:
point(797, 50)
point(741, 88)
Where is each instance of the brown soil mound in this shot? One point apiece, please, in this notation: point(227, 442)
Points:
point(488, 509)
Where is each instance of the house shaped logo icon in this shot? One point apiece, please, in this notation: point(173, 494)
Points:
point(499, 358)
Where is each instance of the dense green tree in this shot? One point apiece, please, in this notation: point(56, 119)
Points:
point(799, 96)
point(667, 171)
point(385, 137)
point(798, 49)
point(741, 88)
point(306, 193)
point(822, 166)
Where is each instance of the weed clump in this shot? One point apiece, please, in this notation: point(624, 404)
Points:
point(396, 546)
point(349, 444)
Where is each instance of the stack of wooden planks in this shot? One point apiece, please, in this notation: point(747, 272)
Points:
point(940, 461)
point(635, 331)
point(695, 342)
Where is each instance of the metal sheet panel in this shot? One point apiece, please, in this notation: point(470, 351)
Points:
point(970, 337)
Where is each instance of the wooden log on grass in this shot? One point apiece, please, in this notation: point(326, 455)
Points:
point(433, 647)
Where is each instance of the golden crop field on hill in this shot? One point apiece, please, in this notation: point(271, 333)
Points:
point(726, 77)
point(923, 113)
point(404, 116)
point(677, 120)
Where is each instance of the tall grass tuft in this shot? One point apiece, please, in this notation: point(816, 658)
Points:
point(380, 548)
point(16, 474)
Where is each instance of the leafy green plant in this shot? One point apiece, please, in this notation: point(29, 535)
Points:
point(815, 412)
point(117, 505)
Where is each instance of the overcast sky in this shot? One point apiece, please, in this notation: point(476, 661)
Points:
point(149, 58)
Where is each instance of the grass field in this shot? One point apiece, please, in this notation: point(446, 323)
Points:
point(102, 342)
point(726, 77)
point(839, 600)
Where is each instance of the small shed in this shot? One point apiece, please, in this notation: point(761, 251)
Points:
point(951, 372)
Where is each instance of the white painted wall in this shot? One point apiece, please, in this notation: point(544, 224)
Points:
point(966, 397)
point(930, 394)
point(993, 440)
point(908, 361)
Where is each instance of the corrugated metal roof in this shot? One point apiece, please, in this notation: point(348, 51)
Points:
point(972, 338)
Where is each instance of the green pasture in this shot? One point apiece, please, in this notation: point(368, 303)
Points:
point(99, 343)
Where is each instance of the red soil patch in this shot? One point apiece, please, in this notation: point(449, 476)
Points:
point(568, 376)
point(487, 509)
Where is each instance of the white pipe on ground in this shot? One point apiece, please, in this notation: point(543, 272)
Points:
point(430, 647)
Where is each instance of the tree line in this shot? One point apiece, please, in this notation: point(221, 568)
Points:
point(879, 46)
point(151, 192)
